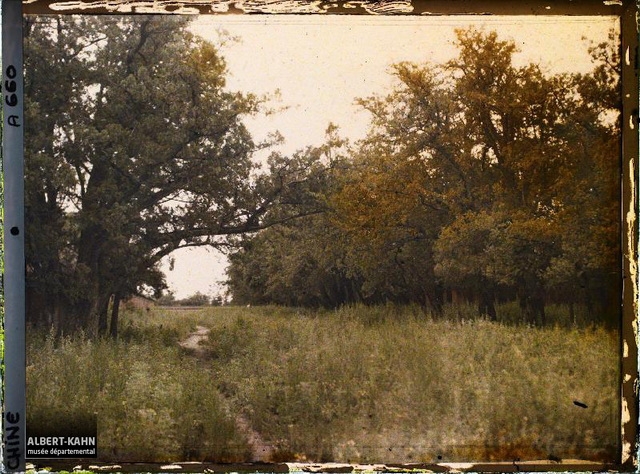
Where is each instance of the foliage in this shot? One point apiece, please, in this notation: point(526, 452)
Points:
point(479, 180)
point(300, 262)
point(197, 299)
point(135, 148)
point(168, 298)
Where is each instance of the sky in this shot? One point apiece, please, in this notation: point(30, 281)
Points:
point(321, 64)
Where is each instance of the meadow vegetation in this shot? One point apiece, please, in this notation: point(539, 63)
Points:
point(153, 401)
point(358, 384)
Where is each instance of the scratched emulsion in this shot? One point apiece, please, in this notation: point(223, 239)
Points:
point(231, 6)
point(629, 365)
point(631, 253)
point(1, 289)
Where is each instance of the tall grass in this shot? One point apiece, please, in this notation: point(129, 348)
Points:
point(388, 384)
point(153, 402)
point(359, 384)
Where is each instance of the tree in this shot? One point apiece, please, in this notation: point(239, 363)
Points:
point(477, 177)
point(389, 225)
point(168, 298)
point(136, 149)
point(196, 299)
point(588, 267)
point(501, 173)
point(300, 262)
point(465, 252)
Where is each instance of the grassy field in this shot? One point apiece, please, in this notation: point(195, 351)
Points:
point(359, 384)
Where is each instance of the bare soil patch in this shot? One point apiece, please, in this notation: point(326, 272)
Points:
point(193, 341)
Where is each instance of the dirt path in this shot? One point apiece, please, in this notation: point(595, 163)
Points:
point(193, 340)
point(260, 450)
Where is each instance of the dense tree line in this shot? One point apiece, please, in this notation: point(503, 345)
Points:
point(479, 180)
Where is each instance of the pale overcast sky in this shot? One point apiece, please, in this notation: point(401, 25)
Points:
point(321, 64)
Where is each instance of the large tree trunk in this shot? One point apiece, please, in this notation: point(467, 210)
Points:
point(103, 313)
point(115, 310)
point(92, 305)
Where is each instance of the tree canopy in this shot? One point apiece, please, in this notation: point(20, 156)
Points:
point(479, 180)
point(135, 149)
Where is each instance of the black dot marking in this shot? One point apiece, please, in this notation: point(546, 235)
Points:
point(14, 231)
point(580, 404)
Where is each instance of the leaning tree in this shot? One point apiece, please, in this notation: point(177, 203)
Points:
point(135, 148)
